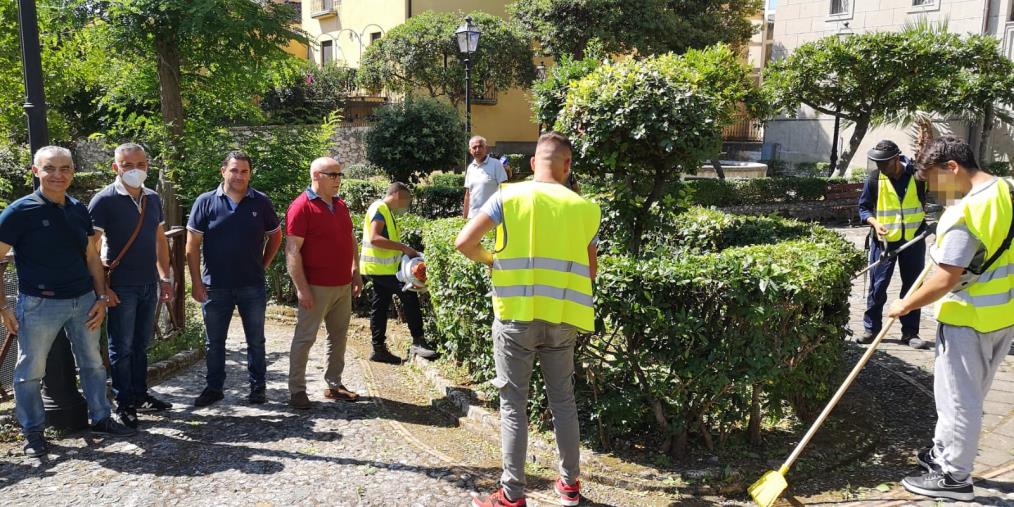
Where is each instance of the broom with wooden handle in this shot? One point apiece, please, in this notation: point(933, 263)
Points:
point(769, 487)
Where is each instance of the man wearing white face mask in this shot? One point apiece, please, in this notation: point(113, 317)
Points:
point(129, 223)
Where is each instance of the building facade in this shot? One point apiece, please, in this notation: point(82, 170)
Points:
point(340, 30)
point(808, 138)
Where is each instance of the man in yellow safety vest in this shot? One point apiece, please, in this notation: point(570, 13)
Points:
point(892, 203)
point(542, 270)
point(974, 283)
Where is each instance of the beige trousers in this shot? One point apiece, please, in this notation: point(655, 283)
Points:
point(333, 307)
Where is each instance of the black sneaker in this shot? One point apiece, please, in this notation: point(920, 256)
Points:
point(109, 426)
point(926, 458)
point(913, 340)
point(35, 445)
point(207, 397)
point(153, 404)
point(866, 338)
point(424, 351)
point(257, 397)
point(127, 416)
point(937, 484)
point(382, 355)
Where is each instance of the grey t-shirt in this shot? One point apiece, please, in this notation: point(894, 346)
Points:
point(960, 247)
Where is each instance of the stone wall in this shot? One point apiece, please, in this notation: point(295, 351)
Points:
point(348, 145)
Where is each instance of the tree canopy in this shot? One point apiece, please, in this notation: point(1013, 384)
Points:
point(647, 26)
point(414, 138)
point(421, 55)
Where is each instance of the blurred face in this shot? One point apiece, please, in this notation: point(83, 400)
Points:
point(943, 181)
point(55, 172)
point(478, 149)
point(329, 178)
point(403, 201)
point(236, 176)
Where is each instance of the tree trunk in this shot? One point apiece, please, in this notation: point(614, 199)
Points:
point(754, 429)
point(984, 132)
point(658, 186)
point(718, 168)
point(167, 50)
point(862, 125)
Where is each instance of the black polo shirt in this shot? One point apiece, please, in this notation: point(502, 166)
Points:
point(49, 243)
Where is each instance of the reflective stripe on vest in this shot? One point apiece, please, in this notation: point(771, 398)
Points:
point(375, 260)
point(902, 219)
point(541, 267)
point(988, 303)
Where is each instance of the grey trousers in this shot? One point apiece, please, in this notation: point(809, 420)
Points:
point(515, 345)
point(333, 306)
point(966, 362)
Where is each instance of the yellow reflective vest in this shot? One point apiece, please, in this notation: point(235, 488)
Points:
point(540, 264)
point(902, 219)
point(374, 260)
point(986, 305)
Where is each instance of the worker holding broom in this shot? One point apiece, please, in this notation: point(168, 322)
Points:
point(974, 285)
point(892, 204)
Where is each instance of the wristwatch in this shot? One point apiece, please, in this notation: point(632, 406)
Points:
point(102, 297)
point(166, 280)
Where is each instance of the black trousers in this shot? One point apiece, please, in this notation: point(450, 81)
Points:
point(384, 289)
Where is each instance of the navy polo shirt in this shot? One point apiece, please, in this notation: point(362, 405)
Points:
point(233, 236)
point(49, 243)
point(115, 213)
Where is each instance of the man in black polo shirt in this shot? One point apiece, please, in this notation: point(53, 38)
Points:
point(61, 286)
point(232, 223)
point(137, 282)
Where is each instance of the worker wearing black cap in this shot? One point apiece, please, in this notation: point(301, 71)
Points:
point(892, 204)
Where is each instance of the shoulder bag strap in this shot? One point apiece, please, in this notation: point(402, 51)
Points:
point(133, 235)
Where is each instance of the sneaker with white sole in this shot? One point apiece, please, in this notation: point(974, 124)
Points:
point(569, 495)
point(926, 458)
point(937, 484)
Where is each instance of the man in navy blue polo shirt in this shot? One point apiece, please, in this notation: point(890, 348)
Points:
point(137, 282)
point(232, 223)
point(61, 285)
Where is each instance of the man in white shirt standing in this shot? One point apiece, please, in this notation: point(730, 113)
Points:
point(482, 178)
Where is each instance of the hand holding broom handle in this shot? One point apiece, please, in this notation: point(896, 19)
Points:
point(848, 380)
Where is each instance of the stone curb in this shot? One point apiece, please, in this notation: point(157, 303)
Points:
point(167, 368)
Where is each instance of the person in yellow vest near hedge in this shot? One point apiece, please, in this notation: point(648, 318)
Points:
point(892, 203)
point(379, 261)
point(974, 284)
point(542, 271)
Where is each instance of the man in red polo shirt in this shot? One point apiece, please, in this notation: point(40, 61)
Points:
point(321, 256)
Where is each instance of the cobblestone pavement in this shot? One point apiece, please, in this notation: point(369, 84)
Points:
point(396, 447)
point(994, 465)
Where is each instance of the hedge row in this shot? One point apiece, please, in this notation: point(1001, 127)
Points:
point(690, 342)
point(429, 201)
point(724, 193)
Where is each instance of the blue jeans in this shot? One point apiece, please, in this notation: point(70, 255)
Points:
point(911, 261)
point(40, 319)
point(252, 302)
point(131, 326)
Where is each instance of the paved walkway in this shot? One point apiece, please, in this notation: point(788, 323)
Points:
point(996, 454)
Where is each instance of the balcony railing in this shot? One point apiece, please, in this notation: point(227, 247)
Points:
point(324, 8)
point(746, 129)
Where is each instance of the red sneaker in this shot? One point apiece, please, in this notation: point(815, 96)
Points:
point(498, 499)
point(569, 495)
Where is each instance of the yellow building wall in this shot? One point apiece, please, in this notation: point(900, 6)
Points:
point(297, 49)
point(508, 121)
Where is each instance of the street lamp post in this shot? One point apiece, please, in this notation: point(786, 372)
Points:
point(468, 43)
point(65, 408)
point(843, 33)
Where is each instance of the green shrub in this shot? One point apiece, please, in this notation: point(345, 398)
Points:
point(411, 139)
point(1001, 169)
point(717, 307)
point(521, 166)
point(438, 202)
point(365, 171)
point(776, 168)
point(451, 180)
point(724, 193)
point(360, 194)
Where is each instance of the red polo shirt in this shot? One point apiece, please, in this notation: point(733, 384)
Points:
point(327, 238)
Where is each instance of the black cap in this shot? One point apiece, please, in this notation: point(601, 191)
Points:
point(884, 150)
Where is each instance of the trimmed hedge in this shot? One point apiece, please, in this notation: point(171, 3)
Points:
point(724, 193)
point(727, 307)
point(452, 180)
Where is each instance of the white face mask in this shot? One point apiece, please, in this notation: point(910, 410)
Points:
point(134, 177)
